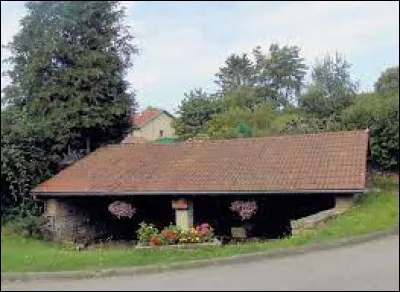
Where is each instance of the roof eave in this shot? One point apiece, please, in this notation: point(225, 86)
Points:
point(196, 192)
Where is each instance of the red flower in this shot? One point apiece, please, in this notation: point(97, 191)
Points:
point(155, 240)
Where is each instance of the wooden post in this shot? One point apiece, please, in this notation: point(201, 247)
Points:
point(183, 213)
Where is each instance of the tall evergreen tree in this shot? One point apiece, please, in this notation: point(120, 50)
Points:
point(238, 71)
point(67, 91)
point(69, 61)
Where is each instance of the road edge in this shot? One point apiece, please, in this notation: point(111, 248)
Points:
point(221, 261)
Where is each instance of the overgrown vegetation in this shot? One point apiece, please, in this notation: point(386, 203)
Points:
point(375, 211)
point(267, 94)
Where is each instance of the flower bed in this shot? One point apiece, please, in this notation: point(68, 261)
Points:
point(149, 235)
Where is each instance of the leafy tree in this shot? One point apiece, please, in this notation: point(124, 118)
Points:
point(274, 78)
point(331, 90)
point(280, 74)
point(388, 81)
point(381, 115)
point(243, 97)
point(196, 109)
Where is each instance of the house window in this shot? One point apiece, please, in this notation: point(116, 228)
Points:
point(161, 133)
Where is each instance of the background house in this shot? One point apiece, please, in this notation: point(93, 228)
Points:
point(150, 124)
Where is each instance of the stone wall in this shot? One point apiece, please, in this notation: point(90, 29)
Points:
point(342, 204)
point(68, 221)
point(151, 130)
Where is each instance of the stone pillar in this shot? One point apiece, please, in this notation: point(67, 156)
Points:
point(345, 202)
point(67, 221)
point(183, 213)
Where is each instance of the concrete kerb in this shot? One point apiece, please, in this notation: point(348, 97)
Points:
point(239, 259)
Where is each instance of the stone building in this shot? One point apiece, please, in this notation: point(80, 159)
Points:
point(149, 125)
point(291, 177)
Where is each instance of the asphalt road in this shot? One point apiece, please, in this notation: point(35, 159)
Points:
point(367, 267)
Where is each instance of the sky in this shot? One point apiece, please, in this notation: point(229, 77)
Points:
point(182, 44)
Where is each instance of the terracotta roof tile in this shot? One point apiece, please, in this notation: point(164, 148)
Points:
point(140, 119)
point(326, 161)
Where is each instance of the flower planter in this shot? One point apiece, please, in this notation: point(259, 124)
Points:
point(243, 231)
point(180, 245)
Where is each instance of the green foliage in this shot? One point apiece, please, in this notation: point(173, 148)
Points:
point(146, 232)
point(66, 93)
point(388, 81)
point(28, 226)
point(224, 125)
point(309, 124)
point(379, 113)
point(194, 112)
point(242, 130)
point(242, 97)
point(280, 75)
point(385, 182)
point(26, 157)
point(331, 90)
point(236, 122)
point(238, 71)
point(276, 78)
point(69, 59)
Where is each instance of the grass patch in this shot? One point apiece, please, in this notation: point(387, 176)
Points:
point(375, 211)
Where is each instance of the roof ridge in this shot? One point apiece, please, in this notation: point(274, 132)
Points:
point(214, 141)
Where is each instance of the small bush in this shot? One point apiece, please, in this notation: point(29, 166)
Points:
point(171, 234)
point(146, 232)
point(28, 226)
point(384, 182)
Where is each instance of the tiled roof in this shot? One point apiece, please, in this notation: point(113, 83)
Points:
point(315, 162)
point(139, 119)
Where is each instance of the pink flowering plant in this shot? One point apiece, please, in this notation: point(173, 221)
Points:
point(245, 209)
point(205, 232)
point(121, 209)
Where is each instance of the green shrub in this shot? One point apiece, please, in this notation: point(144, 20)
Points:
point(146, 232)
point(385, 182)
point(28, 226)
point(379, 113)
point(238, 122)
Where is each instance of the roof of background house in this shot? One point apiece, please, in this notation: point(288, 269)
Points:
point(150, 113)
point(323, 162)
